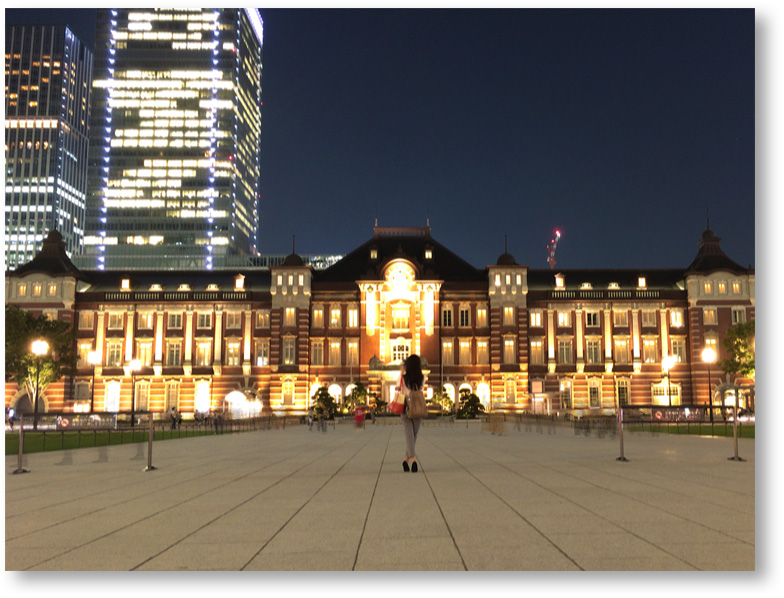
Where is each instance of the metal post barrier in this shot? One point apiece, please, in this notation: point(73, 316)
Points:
point(19, 468)
point(149, 446)
point(735, 431)
point(620, 433)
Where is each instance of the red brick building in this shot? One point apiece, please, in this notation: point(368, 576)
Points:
point(519, 338)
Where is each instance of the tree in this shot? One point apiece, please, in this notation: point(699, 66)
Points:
point(21, 366)
point(324, 406)
point(379, 405)
point(470, 405)
point(356, 398)
point(739, 344)
point(440, 397)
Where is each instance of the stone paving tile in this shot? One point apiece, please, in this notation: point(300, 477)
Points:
point(296, 500)
point(727, 556)
point(406, 553)
point(231, 556)
point(656, 563)
point(515, 557)
point(302, 561)
point(608, 545)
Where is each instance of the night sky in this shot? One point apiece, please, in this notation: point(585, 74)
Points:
point(624, 129)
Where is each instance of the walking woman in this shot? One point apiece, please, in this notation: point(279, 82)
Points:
point(411, 378)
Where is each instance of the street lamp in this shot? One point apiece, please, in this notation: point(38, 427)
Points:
point(135, 366)
point(39, 348)
point(709, 357)
point(667, 363)
point(94, 359)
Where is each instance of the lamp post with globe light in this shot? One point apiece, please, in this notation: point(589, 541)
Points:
point(39, 348)
point(709, 357)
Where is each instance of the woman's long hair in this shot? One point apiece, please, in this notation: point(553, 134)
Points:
point(413, 378)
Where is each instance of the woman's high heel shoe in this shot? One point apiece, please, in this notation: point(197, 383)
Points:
point(414, 467)
point(405, 466)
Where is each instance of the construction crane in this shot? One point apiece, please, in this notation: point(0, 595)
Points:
point(551, 249)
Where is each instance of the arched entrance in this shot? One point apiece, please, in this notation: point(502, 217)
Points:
point(241, 407)
point(23, 404)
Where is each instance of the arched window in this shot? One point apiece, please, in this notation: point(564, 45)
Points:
point(314, 388)
point(336, 392)
point(510, 390)
point(595, 393)
point(201, 403)
point(483, 392)
point(112, 397)
point(565, 393)
point(172, 394)
point(449, 389)
point(288, 392)
point(82, 391)
point(142, 397)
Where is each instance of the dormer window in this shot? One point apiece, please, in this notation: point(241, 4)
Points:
point(212, 287)
point(641, 282)
point(239, 282)
point(373, 253)
point(586, 285)
point(125, 284)
point(428, 254)
point(613, 285)
point(559, 281)
point(184, 287)
point(155, 287)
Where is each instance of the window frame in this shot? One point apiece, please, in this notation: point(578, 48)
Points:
point(565, 351)
point(593, 351)
point(536, 351)
point(171, 352)
point(446, 316)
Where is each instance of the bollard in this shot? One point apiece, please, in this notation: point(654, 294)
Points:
point(620, 433)
point(19, 468)
point(149, 446)
point(735, 432)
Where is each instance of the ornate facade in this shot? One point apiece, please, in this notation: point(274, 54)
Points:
point(521, 339)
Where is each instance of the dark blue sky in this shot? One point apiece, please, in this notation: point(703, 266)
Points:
point(618, 127)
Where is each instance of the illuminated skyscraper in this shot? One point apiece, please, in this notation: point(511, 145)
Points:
point(176, 127)
point(48, 76)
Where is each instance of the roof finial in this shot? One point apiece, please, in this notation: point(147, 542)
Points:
point(293, 243)
point(505, 251)
point(707, 216)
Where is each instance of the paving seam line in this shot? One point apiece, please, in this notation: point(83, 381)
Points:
point(558, 548)
point(621, 493)
point(197, 466)
point(306, 503)
point(675, 556)
point(451, 535)
point(170, 507)
point(370, 505)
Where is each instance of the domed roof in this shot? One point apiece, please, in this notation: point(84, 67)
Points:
point(51, 259)
point(506, 259)
point(293, 260)
point(710, 257)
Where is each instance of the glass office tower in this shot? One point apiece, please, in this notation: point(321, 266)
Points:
point(175, 136)
point(48, 78)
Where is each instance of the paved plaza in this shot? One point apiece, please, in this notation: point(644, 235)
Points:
point(530, 499)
